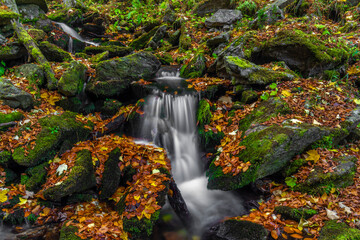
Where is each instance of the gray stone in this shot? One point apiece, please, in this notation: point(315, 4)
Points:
point(12, 51)
point(211, 6)
point(216, 41)
point(30, 12)
point(267, 17)
point(223, 17)
point(41, 3)
point(32, 72)
point(3, 39)
point(155, 41)
point(13, 96)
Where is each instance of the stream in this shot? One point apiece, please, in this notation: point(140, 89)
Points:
point(170, 122)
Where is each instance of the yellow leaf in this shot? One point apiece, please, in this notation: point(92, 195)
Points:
point(357, 101)
point(3, 196)
point(339, 89)
point(22, 201)
point(313, 156)
point(218, 128)
point(353, 70)
point(286, 93)
point(137, 197)
point(104, 149)
point(354, 149)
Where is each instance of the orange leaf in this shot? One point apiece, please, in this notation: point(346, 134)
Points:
point(297, 236)
point(284, 236)
point(274, 234)
point(288, 230)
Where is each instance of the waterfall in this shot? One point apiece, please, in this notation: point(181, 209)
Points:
point(70, 45)
point(170, 122)
point(74, 34)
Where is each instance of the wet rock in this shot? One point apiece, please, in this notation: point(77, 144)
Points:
point(53, 52)
point(333, 230)
point(342, 176)
point(223, 17)
point(93, 29)
point(114, 51)
point(54, 131)
point(113, 77)
point(30, 12)
point(241, 71)
point(41, 3)
point(236, 230)
point(211, 6)
point(111, 175)
point(301, 52)
point(216, 41)
point(13, 96)
point(111, 107)
point(195, 68)
point(73, 79)
point(31, 72)
point(155, 41)
point(81, 178)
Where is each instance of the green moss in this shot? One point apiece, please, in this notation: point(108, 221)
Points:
point(37, 177)
point(6, 16)
point(339, 231)
point(5, 158)
point(68, 233)
point(53, 52)
point(72, 80)
point(111, 175)
point(141, 42)
point(204, 114)
point(10, 117)
point(141, 229)
point(66, 15)
point(242, 63)
point(114, 51)
point(293, 167)
point(294, 213)
point(267, 76)
point(99, 57)
point(209, 140)
point(195, 68)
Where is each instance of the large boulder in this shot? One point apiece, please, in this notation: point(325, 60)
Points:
point(270, 148)
point(114, 77)
point(241, 71)
point(301, 52)
point(237, 230)
point(41, 3)
point(333, 230)
point(223, 17)
point(30, 12)
point(143, 40)
point(6, 16)
point(12, 51)
point(56, 131)
point(81, 178)
point(210, 6)
point(114, 51)
point(195, 68)
point(73, 79)
point(13, 96)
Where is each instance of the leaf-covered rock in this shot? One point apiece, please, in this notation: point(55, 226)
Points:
point(32, 72)
point(195, 68)
point(81, 178)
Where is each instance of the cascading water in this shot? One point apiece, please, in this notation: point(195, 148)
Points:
point(170, 122)
point(73, 34)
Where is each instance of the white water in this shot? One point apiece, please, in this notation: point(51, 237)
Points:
point(73, 34)
point(170, 122)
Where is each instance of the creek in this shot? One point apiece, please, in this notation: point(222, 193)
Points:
point(170, 122)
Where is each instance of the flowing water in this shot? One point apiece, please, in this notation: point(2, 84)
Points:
point(170, 122)
point(73, 34)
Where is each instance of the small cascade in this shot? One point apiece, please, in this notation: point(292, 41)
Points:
point(74, 34)
point(170, 122)
point(70, 45)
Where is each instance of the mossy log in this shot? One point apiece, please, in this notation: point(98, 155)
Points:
point(31, 47)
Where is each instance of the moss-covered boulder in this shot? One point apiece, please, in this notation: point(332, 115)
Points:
point(319, 182)
point(100, 57)
point(114, 77)
point(72, 80)
point(81, 178)
point(5, 158)
point(210, 6)
point(157, 40)
point(13, 96)
point(333, 230)
point(110, 107)
point(6, 15)
point(184, 40)
point(37, 34)
point(114, 51)
point(141, 41)
point(70, 16)
point(32, 72)
point(37, 177)
point(294, 213)
point(249, 96)
point(268, 150)
point(195, 68)
point(241, 71)
point(54, 131)
point(223, 17)
point(216, 41)
point(301, 52)
point(111, 175)
point(237, 230)
point(53, 52)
